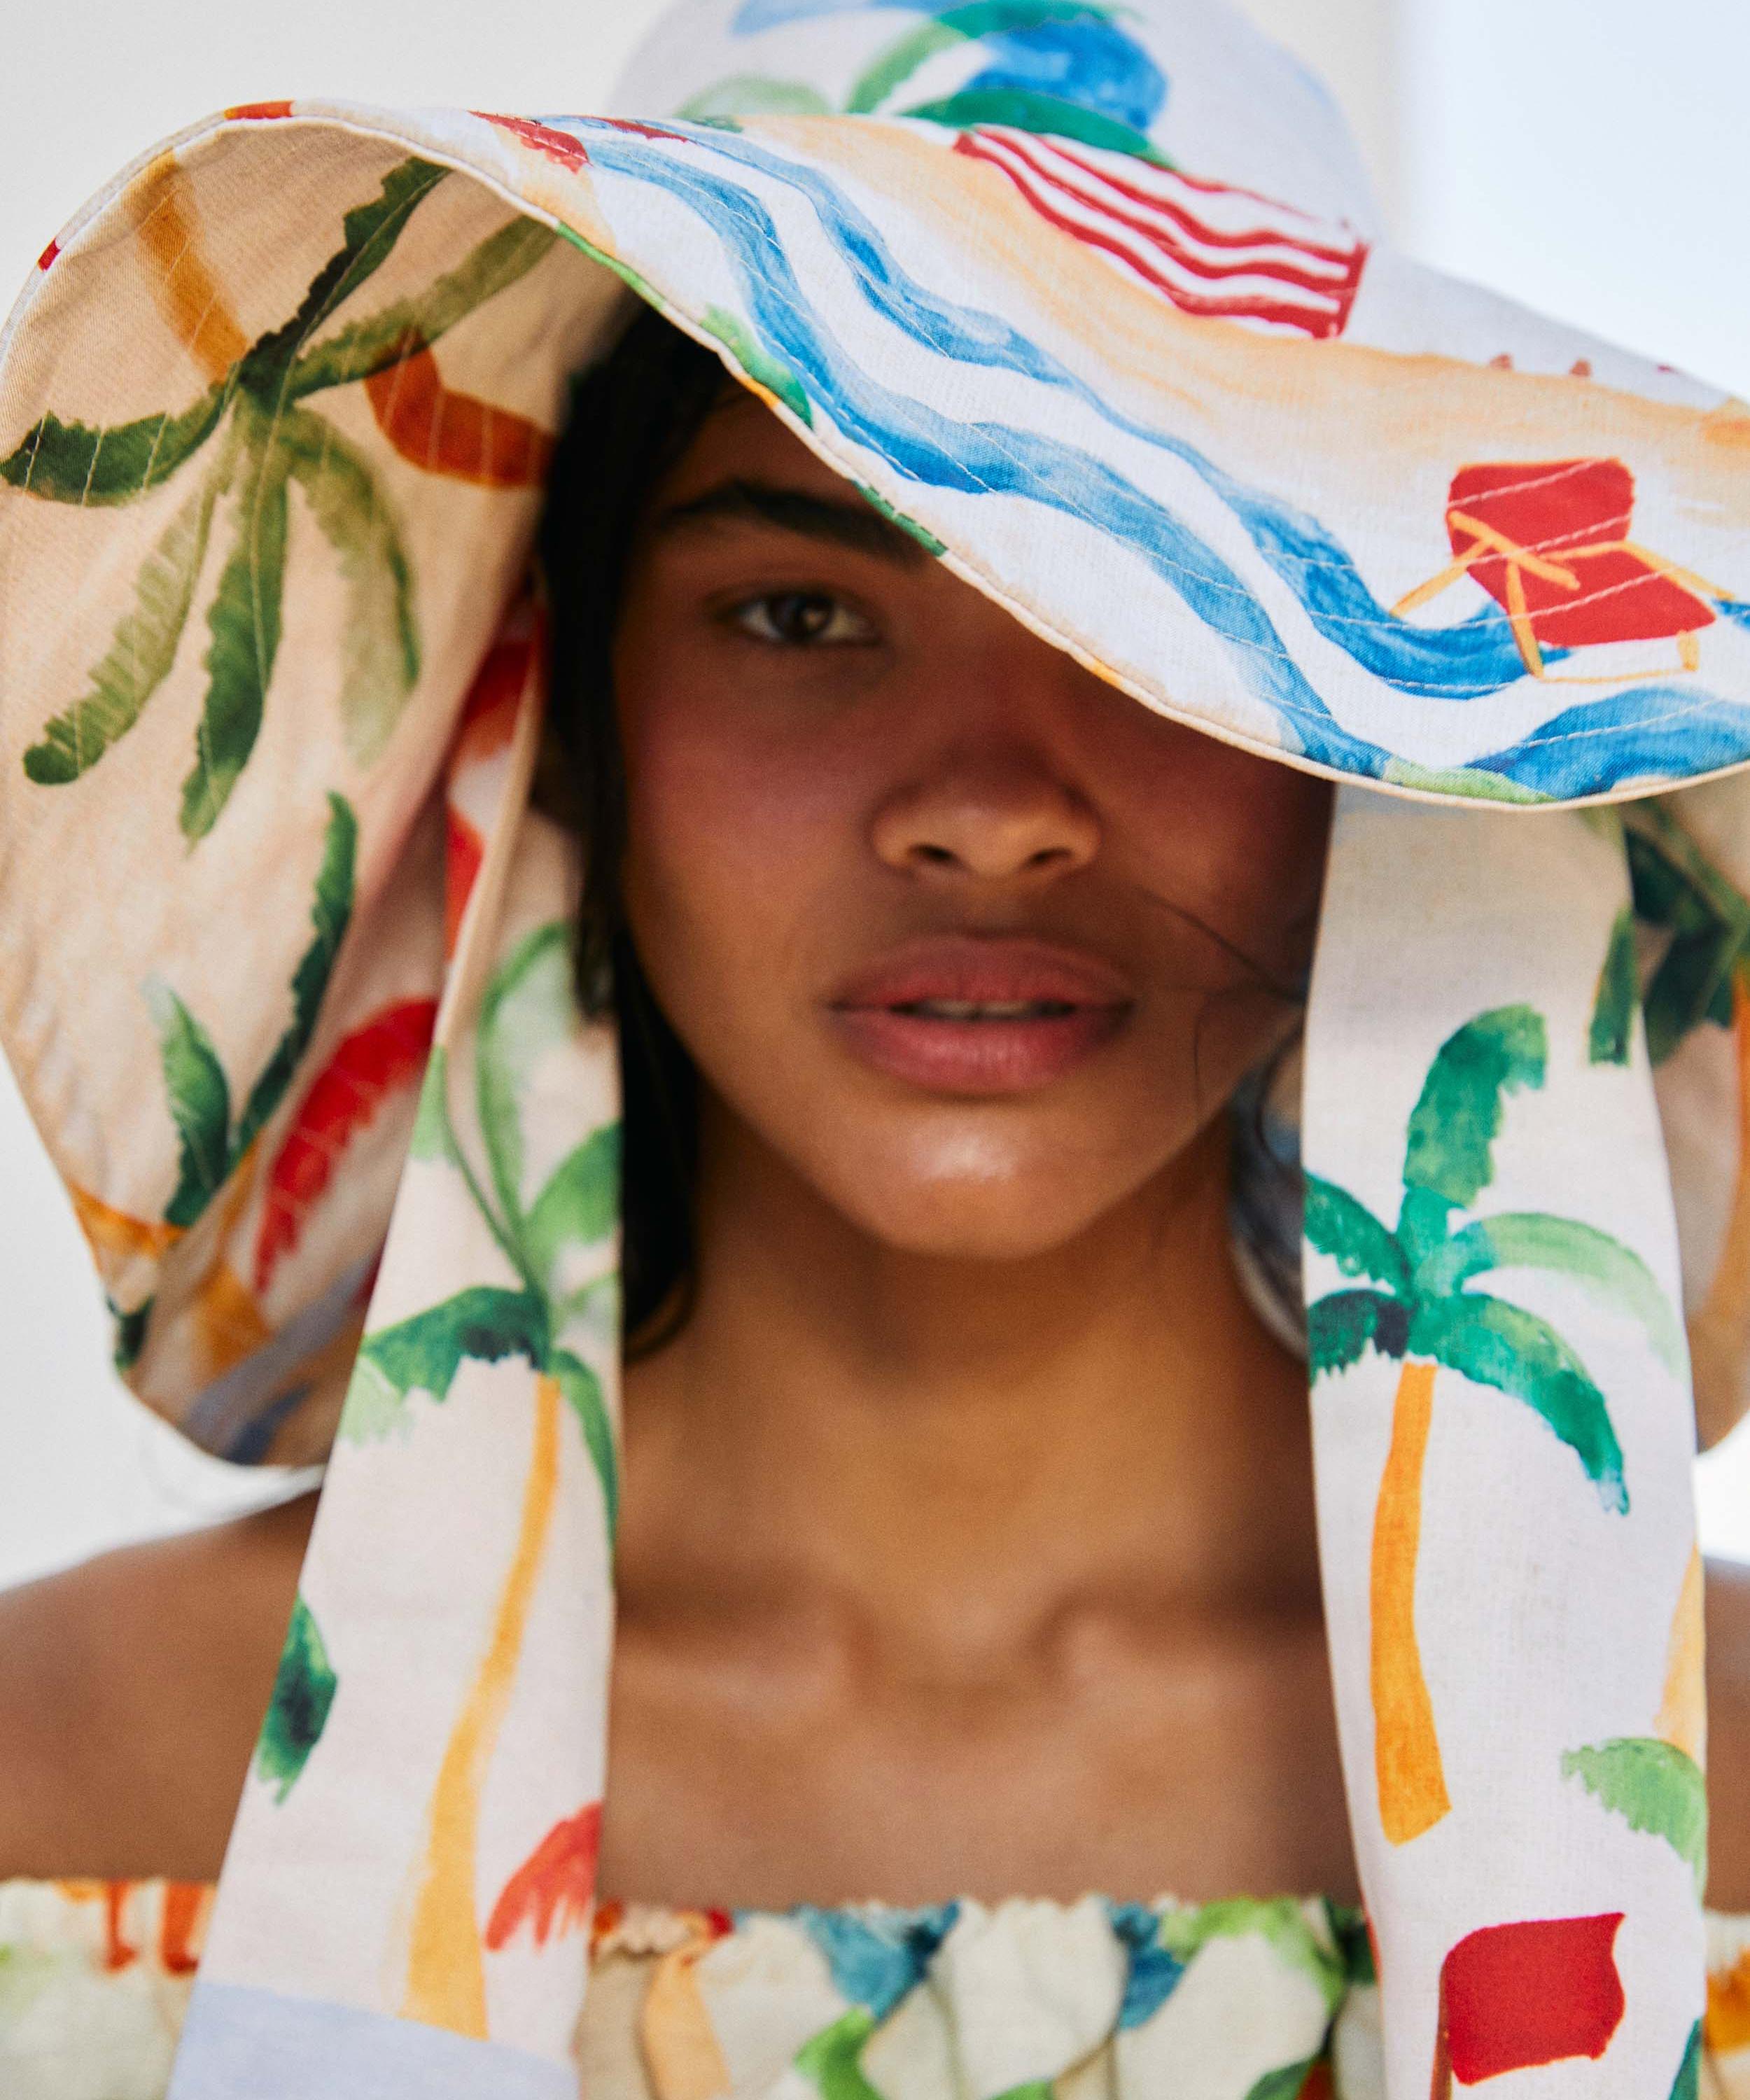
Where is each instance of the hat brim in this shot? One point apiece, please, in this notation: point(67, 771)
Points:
point(274, 416)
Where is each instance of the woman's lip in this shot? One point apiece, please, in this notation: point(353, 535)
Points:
point(977, 1056)
point(877, 1013)
point(969, 970)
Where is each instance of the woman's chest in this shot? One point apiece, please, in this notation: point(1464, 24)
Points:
point(1193, 1760)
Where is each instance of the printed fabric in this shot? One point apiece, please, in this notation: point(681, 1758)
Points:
point(1094, 2000)
point(1093, 301)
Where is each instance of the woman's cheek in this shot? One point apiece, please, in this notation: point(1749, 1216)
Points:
point(726, 848)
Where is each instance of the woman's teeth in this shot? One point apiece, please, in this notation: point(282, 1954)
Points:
point(988, 1009)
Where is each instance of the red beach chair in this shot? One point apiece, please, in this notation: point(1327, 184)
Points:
point(1549, 541)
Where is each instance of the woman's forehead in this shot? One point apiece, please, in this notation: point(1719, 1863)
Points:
point(739, 428)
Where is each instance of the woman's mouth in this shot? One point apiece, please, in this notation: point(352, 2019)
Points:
point(978, 1015)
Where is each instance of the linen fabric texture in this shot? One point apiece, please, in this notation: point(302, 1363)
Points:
point(1094, 302)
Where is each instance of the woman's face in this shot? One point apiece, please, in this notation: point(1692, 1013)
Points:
point(972, 940)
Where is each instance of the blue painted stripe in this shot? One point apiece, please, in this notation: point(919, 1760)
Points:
point(243, 2044)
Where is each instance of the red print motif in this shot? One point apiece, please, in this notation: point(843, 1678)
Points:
point(1549, 541)
point(545, 138)
point(553, 1886)
point(387, 1053)
point(1536, 1991)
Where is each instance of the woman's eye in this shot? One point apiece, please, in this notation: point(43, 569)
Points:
point(801, 619)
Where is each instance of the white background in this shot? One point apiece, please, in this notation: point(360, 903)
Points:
point(1591, 156)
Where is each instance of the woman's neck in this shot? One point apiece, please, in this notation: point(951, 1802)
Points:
point(954, 1455)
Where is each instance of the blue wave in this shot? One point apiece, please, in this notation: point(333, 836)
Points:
point(1467, 660)
point(1656, 733)
point(1087, 61)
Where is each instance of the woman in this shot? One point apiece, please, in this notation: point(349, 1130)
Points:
point(963, 1473)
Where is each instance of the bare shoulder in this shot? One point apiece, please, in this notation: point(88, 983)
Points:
point(131, 1689)
point(1729, 1735)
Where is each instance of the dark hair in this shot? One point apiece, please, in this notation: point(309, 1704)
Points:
point(631, 416)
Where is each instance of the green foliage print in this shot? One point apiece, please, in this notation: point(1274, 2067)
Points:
point(528, 1010)
point(1611, 1037)
point(1686, 2085)
point(256, 440)
point(211, 1144)
point(1287, 2084)
point(1417, 1301)
point(303, 1692)
point(1654, 1787)
point(1703, 919)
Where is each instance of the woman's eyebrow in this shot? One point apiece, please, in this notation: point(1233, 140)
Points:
point(853, 523)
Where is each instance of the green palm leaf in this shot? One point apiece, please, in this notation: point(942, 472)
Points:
point(369, 234)
point(424, 1352)
point(433, 1134)
point(1453, 1126)
point(1342, 1325)
point(1283, 2085)
point(379, 659)
point(1692, 984)
point(580, 1204)
point(297, 1711)
point(1654, 1787)
point(371, 345)
point(582, 1391)
point(1677, 888)
point(1611, 1035)
point(1686, 2085)
point(243, 620)
point(1492, 1343)
point(1529, 1239)
point(200, 1103)
point(528, 1010)
point(330, 914)
point(1336, 1223)
point(140, 655)
point(72, 463)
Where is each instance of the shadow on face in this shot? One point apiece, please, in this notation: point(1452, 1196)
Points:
point(973, 942)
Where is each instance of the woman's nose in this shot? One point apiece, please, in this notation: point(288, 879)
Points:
point(995, 819)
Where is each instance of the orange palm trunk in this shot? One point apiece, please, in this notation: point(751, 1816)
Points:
point(445, 1983)
point(1412, 1796)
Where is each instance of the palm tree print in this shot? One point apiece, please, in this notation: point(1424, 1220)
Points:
point(256, 439)
point(1418, 1306)
point(551, 1242)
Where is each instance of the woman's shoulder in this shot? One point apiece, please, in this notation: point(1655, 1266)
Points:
point(131, 1688)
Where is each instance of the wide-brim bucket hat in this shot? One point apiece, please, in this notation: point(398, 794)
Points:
point(1092, 300)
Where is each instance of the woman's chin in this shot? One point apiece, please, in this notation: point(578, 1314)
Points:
point(968, 1197)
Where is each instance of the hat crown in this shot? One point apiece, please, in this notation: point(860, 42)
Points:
point(1192, 80)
